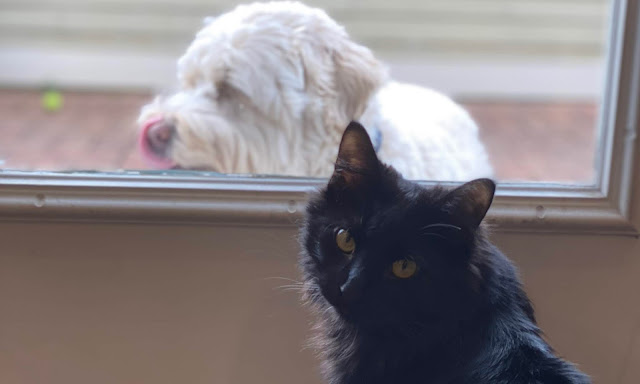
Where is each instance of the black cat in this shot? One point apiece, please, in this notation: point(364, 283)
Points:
point(407, 287)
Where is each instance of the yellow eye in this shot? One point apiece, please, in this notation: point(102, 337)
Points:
point(404, 269)
point(345, 241)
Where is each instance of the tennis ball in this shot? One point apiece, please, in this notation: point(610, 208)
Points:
point(52, 101)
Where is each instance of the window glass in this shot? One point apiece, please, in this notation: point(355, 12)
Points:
point(266, 89)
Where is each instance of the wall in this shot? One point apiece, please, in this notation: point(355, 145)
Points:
point(165, 304)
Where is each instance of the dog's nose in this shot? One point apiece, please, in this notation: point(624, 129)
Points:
point(159, 137)
point(155, 141)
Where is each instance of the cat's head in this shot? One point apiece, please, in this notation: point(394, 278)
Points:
point(383, 252)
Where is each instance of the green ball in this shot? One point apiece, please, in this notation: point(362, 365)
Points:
point(52, 101)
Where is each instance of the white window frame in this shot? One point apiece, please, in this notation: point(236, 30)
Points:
point(200, 198)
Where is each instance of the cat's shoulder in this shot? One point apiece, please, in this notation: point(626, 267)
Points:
point(530, 362)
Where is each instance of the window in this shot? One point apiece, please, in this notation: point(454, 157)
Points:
point(549, 83)
point(88, 300)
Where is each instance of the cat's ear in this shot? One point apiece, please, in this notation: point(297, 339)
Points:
point(357, 162)
point(469, 203)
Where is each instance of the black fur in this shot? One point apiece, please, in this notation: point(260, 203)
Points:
point(463, 318)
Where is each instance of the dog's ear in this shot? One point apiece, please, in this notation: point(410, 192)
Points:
point(358, 75)
point(208, 20)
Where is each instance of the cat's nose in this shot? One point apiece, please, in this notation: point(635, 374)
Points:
point(352, 288)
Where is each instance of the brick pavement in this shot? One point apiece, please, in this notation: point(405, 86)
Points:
point(95, 130)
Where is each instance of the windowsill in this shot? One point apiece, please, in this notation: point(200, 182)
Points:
point(604, 208)
point(207, 199)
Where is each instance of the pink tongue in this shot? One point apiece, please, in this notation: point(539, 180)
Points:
point(152, 158)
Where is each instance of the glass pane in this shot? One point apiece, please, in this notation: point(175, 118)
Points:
point(75, 75)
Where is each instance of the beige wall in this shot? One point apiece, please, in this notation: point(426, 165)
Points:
point(159, 304)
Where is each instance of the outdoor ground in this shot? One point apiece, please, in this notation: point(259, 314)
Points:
point(97, 130)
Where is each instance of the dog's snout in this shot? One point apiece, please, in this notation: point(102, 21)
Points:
point(159, 137)
point(155, 141)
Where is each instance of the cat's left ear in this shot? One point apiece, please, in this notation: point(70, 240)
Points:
point(468, 204)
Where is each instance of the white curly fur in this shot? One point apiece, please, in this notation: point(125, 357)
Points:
point(268, 88)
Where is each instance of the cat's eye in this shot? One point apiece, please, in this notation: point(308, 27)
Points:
point(345, 241)
point(404, 269)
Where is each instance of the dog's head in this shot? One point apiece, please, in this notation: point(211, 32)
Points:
point(257, 85)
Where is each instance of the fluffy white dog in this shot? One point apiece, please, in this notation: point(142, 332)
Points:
point(268, 88)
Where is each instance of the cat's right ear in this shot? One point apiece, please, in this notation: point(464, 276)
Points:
point(357, 162)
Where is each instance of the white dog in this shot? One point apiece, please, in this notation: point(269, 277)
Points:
point(268, 88)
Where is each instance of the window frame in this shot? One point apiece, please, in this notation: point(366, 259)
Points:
point(203, 198)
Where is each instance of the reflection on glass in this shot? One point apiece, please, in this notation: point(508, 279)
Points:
point(267, 89)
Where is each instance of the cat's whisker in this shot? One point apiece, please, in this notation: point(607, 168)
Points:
point(289, 288)
point(442, 225)
point(292, 285)
point(298, 287)
point(283, 278)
